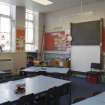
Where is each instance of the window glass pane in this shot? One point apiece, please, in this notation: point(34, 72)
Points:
point(5, 25)
point(4, 9)
point(26, 16)
point(29, 16)
point(29, 36)
point(29, 47)
point(5, 41)
point(29, 24)
point(29, 11)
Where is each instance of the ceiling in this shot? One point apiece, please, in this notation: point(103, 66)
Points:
point(57, 5)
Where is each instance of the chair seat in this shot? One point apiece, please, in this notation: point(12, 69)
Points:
point(95, 73)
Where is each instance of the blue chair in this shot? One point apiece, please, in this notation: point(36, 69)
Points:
point(95, 73)
point(95, 67)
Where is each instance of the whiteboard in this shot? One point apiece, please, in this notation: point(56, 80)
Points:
point(82, 56)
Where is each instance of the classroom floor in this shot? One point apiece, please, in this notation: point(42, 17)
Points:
point(82, 88)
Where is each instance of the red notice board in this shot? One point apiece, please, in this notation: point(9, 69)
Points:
point(49, 41)
point(55, 41)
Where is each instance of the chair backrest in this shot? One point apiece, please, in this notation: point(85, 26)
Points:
point(96, 66)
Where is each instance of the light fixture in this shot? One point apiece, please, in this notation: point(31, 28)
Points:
point(82, 12)
point(43, 2)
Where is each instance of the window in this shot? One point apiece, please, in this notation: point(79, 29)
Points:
point(6, 21)
point(31, 34)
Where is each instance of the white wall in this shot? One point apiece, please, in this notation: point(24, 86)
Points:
point(62, 19)
point(20, 17)
point(81, 56)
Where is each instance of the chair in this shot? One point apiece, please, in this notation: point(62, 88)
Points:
point(95, 74)
point(78, 99)
point(96, 66)
point(53, 63)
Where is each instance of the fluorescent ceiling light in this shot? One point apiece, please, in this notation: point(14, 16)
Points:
point(43, 2)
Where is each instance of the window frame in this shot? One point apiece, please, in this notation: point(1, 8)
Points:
point(11, 22)
point(33, 22)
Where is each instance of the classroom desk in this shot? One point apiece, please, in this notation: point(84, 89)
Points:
point(33, 85)
point(95, 100)
point(47, 69)
point(3, 72)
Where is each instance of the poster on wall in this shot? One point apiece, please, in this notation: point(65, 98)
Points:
point(20, 40)
point(56, 41)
